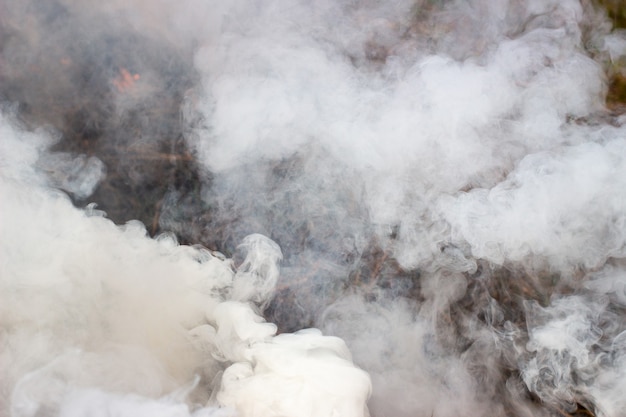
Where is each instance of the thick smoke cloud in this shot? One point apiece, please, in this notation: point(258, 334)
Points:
point(442, 180)
point(101, 320)
point(403, 132)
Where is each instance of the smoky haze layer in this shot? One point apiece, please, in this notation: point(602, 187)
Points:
point(108, 84)
point(442, 178)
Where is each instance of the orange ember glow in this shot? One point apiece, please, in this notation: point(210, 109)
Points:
point(125, 81)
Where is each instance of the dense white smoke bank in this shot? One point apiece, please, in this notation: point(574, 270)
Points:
point(442, 177)
point(97, 319)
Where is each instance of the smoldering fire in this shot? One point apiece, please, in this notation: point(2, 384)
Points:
point(437, 186)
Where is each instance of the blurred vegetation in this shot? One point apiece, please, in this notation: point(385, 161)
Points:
point(616, 96)
point(616, 10)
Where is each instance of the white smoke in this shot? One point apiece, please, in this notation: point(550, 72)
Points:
point(101, 320)
point(442, 178)
point(414, 130)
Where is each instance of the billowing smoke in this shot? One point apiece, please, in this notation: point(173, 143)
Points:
point(101, 320)
point(436, 185)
